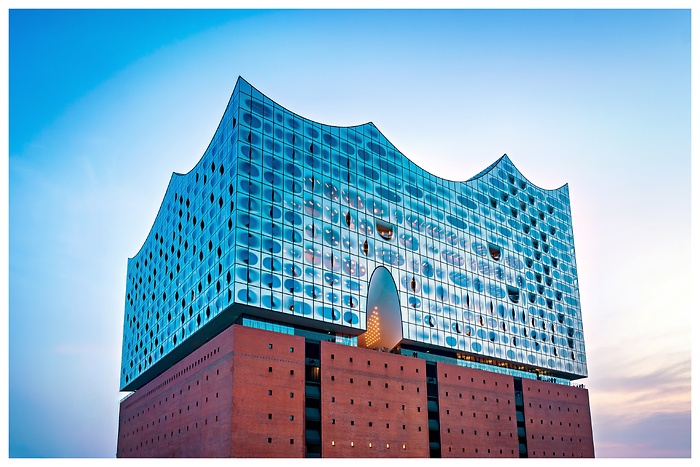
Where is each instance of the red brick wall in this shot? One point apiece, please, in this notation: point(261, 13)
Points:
point(215, 402)
point(184, 412)
point(557, 420)
point(477, 413)
point(261, 423)
point(395, 386)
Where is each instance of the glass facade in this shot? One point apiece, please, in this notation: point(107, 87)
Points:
point(292, 216)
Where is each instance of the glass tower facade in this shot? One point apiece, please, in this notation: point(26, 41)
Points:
point(288, 219)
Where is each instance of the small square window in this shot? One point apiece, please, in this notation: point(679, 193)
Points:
point(269, 346)
point(269, 369)
point(269, 416)
point(269, 392)
point(269, 440)
point(291, 440)
point(291, 349)
point(291, 372)
point(291, 418)
point(291, 394)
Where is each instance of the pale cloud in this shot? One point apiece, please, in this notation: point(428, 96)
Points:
point(660, 434)
point(641, 387)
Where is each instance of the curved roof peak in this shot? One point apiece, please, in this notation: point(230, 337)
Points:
point(503, 162)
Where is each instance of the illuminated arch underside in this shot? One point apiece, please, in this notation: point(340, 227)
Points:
point(383, 313)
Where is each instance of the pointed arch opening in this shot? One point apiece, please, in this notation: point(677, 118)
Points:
point(384, 329)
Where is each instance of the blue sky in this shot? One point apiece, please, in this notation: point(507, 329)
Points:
point(105, 105)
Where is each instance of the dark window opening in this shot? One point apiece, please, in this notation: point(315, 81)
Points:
point(513, 294)
point(494, 251)
point(385, 230)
